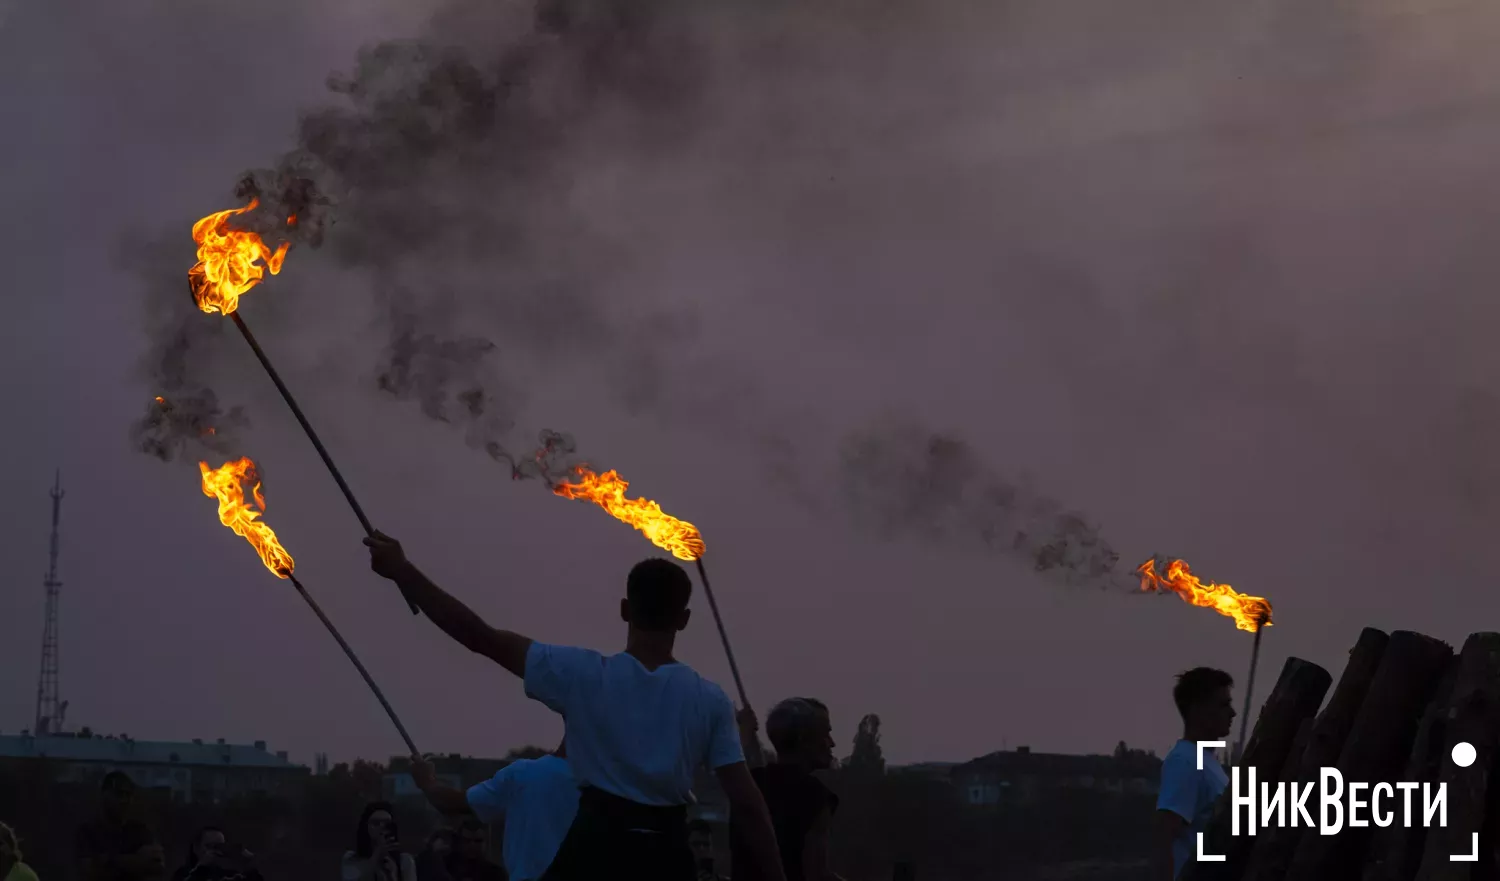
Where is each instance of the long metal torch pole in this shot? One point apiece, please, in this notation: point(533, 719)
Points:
point(1249, 689)
point(723, 635)
point(370, 681)
point(286, 395)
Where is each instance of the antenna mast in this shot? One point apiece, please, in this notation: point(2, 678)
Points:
point(48, 708)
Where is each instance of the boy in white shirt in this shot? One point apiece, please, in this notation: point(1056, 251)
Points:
point(1186, 799)
point(638, 724)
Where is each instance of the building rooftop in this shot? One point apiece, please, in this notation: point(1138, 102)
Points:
point(149, 752)
point(1023, 760)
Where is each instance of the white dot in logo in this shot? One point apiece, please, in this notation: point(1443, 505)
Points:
point(1464, 754)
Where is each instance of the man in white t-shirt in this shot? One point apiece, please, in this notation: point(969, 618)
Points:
point(536, 798)
point(638, 724)
point(1186, 799)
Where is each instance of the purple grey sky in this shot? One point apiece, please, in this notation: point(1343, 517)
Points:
point(1220, 277)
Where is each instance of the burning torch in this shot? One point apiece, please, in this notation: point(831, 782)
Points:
point(227, 484)
point(1249, 613)
point(229, 264)
point(677, 537)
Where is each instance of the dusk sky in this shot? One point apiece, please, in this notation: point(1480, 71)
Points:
point(1219, 277)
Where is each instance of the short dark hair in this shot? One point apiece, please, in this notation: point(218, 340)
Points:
point(116, 780)
point(1196, 684)
point(657, 591)
point(699, 827)
point(789, 720)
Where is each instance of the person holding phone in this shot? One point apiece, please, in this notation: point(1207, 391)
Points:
point(212, 858)
point(377, 854)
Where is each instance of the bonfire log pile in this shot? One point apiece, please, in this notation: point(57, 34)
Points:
point(1404, 700)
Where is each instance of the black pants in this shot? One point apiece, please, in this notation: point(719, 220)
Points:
point(613, 839)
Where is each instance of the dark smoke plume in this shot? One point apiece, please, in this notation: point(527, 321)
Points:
point(189, 421)
point(552, 460)
point(906, 480)
point(191, 426)
point(291, 208)
point(451, 379)
point(443, 168)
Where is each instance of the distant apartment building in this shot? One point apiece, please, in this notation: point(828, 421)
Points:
point(195, 771)
point(1022, 776)
point(926, 770)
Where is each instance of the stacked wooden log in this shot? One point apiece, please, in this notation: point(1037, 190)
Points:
point(1402, 703)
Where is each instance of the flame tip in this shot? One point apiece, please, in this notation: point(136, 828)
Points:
point(678, 537)
point(1249, 613)
point(226, 483)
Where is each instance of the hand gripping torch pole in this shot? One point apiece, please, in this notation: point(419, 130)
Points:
point(291, 402)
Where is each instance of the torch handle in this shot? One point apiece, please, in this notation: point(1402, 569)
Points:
point(734, 668)
point(369, 680)
point(1249, 690)
point(286, 395)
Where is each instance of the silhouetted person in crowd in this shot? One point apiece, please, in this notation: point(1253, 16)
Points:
point(801, 806)
point(11, 866)
point(432, 862)
point(1186, 798)
point(638, 724)
point(701, 840)
point(117, 846)
point(536, 799)
point(377, 854)
point(468, 862)
point(211, 858)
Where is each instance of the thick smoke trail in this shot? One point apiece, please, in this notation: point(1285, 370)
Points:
point(291, 208)
point(184, 418)
point(883, 169)
point(907, 480)
point(551, 461)
point(188, 426)
point(452, 380)
point(443, 171)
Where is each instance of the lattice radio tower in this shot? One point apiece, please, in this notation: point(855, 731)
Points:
point(49, 710)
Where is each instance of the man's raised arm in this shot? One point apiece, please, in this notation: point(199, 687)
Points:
point(453, 617)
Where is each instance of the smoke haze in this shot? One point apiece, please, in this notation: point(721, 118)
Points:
point(1208, 278)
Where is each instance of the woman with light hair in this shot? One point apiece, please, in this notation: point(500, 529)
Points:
point(11, 867)
point(801, 806)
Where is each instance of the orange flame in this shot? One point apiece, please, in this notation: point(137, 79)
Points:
point(607, 490)
point(161, 400)
point(1249, 613)
point(227, 264)
point(227, 484)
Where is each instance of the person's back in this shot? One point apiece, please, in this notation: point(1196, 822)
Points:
point(537, 800)
point(638, 725)
point(634, 732)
